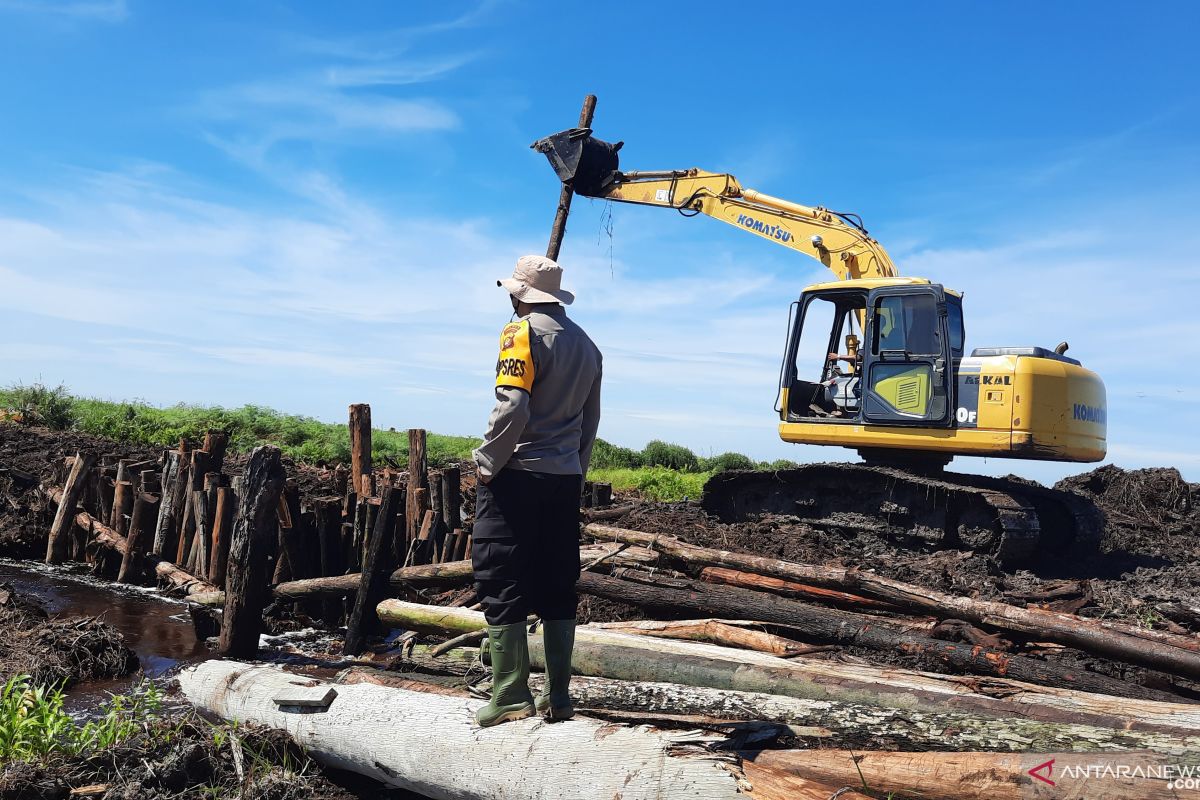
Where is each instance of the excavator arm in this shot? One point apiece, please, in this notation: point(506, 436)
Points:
point(839, 241)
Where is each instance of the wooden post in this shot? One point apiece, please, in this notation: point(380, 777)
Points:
point(122, 506)
point(462, 549)
point(374, 578)
point(222, 533)
point(215, 443)
point(601, 495)
point(195, 484)
point(246, 588)
point(559, 228)
point(360, 446)
point(437, 528)
point(417, 479)
point(204, 505)
point(418, 505)
point(451, 498)
point(329, 532)
point(165, 540)
point(141, 531)
point(76, 483)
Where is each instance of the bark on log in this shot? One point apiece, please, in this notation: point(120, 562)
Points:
point(372, 585)
point(832, 626)
point(586, 760)
point(842, 724)
point(639, 658)
point(75, 486)
point(1154, 649)
point(360, 449)
point(1169, 652)
point(983, 776)
point(246, 579)
point(763, 583)
point(141, 521)
point(740, 633)
point(773, 784)
point(173, 576)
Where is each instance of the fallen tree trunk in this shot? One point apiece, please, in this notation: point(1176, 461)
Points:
point(985, 776)
point(764, 583)
point(848, 628)
point(584, 760)
point(774, 784)
point(739, 633)
point(447, 575)
point(641, 658)
point(1169, 652)
point(835, 723)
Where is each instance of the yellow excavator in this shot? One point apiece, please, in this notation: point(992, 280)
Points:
point(875, 362)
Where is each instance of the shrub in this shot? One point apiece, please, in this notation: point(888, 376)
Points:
point(674, 456)
point(727, 461)
point(40, 405)
point(611, 456)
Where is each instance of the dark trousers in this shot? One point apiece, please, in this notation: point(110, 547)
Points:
point(525, 545)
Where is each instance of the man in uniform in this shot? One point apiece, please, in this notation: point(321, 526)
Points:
point(525, 542)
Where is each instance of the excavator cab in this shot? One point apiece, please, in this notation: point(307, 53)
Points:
point(901, 337)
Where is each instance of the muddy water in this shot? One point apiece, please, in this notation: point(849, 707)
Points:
point(157, 629)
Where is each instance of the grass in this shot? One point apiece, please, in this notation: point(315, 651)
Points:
point(33, 723)
point(659, 471)
point(653, 483)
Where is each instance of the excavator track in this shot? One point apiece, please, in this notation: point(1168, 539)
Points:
point(1008, 519)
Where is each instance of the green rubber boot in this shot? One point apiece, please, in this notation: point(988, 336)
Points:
point(510, 676)
point(558, 640)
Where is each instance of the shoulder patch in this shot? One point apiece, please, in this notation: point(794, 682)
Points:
point(514, 367)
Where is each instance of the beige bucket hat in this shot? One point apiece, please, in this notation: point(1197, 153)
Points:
point(537, 279)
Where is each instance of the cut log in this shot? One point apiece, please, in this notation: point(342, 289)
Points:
point(372, 587)
point(246, 579)
point(141, 522)
point(586, 760)
point(73, 490)
point(744, 634)
point(447, 576)
point(763, 583)
point(1169, 652)
point(451, 500)
point(360, 449)
point(195, 486)
point(986, 776)
point(833, 626)
point(772, 784)
point(638, 658)
point(174, 577)
point(1172, 653)
point(215, 444)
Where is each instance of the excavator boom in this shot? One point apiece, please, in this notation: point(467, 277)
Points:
point(839, 241)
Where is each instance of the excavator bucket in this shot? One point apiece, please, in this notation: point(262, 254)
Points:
point(580, 159)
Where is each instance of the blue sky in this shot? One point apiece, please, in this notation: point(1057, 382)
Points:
point(306, 205)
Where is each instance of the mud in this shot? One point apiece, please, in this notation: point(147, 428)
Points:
point(60, 652)
point(184, 756)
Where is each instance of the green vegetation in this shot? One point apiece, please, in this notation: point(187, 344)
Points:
point(659, 471)
point(33, 723)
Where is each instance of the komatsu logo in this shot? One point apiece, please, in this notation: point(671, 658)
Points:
point(1086, 413)
point(758, 226)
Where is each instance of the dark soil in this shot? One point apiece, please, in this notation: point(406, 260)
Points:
point(59, 652)
point(186, 757)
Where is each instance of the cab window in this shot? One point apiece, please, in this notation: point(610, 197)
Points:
point(906, 325)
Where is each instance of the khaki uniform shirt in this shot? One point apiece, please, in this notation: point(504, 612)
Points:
point(547, 397)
